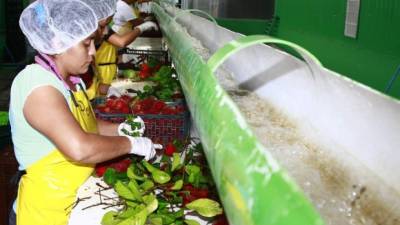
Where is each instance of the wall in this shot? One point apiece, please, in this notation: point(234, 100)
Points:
point(244, 26)
point(372, 58)
point(258, 9)
point(318, 26)
point(2, 29)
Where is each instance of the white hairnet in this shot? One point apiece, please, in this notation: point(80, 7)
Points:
point(53, 26)
point(102, 8)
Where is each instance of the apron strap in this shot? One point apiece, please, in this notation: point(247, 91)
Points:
point(107, 64)
point(47, 63)
point(14, 181)
point(73, 98)
point(84, 92)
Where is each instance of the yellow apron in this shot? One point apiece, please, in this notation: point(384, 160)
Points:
point(136, 11)
point(48, 189)
point(106, 62)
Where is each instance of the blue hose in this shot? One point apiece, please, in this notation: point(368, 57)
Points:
point(392, 80)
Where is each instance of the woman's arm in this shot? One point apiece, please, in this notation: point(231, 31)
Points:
point(60, 127)
point(107, 128)
point(125, 39)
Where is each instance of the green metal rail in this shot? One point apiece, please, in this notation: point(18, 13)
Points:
point(252, 186)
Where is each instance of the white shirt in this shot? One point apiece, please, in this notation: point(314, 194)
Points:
point(144, 7)
point(123, 14)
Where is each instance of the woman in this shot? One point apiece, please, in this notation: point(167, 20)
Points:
point(107, 42)
point(56, 137)
point(125, 16)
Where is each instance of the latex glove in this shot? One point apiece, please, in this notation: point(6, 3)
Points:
point(124, 126)
point(113, 91)
point(143, 146)
point(148, 25)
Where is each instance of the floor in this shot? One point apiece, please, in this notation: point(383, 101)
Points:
point(8, 167)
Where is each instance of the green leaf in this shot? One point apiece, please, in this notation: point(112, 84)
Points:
point(147, 88)
point(134, 188)
point(155, 220)
point(133, 184)
point(138, 219)
point(192, 169)
point(121, 176)
point(134, 172)
point(177, 185)
point(110, 176)
point(110, 218)
point(162, 204)
point(151, 203)
point(167, 218)
point(131, 203)
point(152, 62)
point(178, 144)
point(147, 185)
point(164, 159)
point(194, 173)
point(148, 166)
point(176, 199)
point(179, 214)
point(129, 73)
point(131, 171)
point(124, 191)
point(205, 207)
point(129, 212)
point(176, 161)
point(192, 222)
point(160, 177)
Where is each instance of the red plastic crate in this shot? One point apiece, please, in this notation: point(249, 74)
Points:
point(159, 128)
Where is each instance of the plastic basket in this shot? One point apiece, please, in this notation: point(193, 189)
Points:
point(159, 128)
point(140, 56)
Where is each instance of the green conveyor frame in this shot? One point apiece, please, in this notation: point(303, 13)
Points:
point(253, 188)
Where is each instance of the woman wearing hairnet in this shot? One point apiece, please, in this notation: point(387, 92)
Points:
point(56, 137)
point(107, 42)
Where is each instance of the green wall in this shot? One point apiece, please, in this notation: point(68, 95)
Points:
point(318, 26)
point(244, 26)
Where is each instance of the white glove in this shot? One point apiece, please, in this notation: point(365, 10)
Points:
point(143, 146)
point(128, 128)
point(148, 18)
point(148, 25)
point(113, 91)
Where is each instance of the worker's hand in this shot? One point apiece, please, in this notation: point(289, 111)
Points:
point(133, 127)
point(143, 146)
point(148, 25)
point(148, 18)
point(113, 91)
